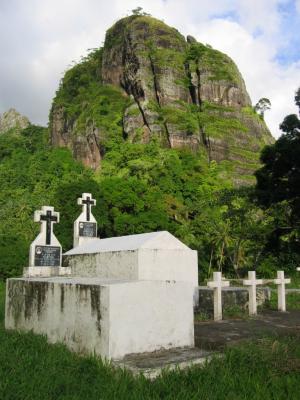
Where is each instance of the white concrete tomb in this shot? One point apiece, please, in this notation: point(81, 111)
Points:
point(85, 226)
point(217, 283)
point(126, 295)
point(45, 252)
point(111, 318)
point(252, 282)
point(281, 282)
point(148, 256)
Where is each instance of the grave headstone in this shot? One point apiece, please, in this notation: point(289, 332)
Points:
point(217, 283)
point(85, 226)
point(252, 282)
point(281, 282)
point(45, 251)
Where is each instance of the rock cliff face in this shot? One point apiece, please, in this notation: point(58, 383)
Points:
point(149, 81)
point(11, 119)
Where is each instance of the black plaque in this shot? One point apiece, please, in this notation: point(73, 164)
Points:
point(88, 229)
point(47, 256)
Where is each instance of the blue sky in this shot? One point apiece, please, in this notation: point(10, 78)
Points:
point(290, 24)
point(40, 39)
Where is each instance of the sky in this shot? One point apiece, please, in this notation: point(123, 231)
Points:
point(41, 39)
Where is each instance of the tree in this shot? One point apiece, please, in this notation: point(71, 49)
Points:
point(278, 181)
point(262, 106)
point(139, 11)
point(290, 124)
point(297, 98)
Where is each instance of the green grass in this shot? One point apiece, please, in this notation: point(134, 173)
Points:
point(202, 317)
point(295, 281)
point(235, 312)
point(31, 369)
point(232, 312)
point(292, 301)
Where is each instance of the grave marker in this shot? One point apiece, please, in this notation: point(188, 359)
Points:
point(45, 250)
point(85, 226)
point(217, 284)
point(280, 282)
point(252, 282)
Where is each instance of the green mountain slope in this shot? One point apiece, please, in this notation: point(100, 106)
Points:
point(149, 82)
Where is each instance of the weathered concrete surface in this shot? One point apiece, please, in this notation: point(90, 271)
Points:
point(231, 297)
point(152, 364)
point(217, 335)
point(147, 256)
point(105, 317)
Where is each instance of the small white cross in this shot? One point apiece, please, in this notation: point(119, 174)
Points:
point(86, 201)
point(252, 282)
point(46, 216)
point(217, 283)
point(280, 281)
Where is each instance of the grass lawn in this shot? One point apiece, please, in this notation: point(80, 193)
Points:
point(31, 369)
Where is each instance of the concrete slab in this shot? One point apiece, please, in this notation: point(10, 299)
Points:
point(217, 335)
point(110, 318)
point(149, 256)
point(152, 364)
point(154, 240)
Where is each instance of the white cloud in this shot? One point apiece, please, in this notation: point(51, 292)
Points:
point(39, 39)
point(264, 77)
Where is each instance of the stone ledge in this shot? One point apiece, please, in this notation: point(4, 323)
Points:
point(153, 364)
point(232, 296)
point(106, 317)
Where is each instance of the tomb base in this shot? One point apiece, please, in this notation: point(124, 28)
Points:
point(110, 318)
point(231, 297)
point(31, 272)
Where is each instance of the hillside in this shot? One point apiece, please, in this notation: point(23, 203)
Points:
point(172, 139)
point(149, 82)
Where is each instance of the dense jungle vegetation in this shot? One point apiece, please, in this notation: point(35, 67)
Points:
point(142, 188)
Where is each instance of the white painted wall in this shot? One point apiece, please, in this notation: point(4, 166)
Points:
point(154, 315)
point(107, 265)
point(110, 318)
point(177, 265)
point(142, 264)
point(65, 314)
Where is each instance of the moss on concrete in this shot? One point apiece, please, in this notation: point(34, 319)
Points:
point(95, 305)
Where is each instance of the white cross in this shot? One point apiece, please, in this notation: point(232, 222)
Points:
point(46, 216)
point(280, 282)
point(86, 201)
point(252, 282)
point(298, 268)
point(217, 283)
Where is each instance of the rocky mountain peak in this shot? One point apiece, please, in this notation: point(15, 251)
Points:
point(12, 119)
point(184, 93)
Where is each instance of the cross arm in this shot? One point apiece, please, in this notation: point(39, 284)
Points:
point(215, 284)
point(278, 281)
point(248, 282)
